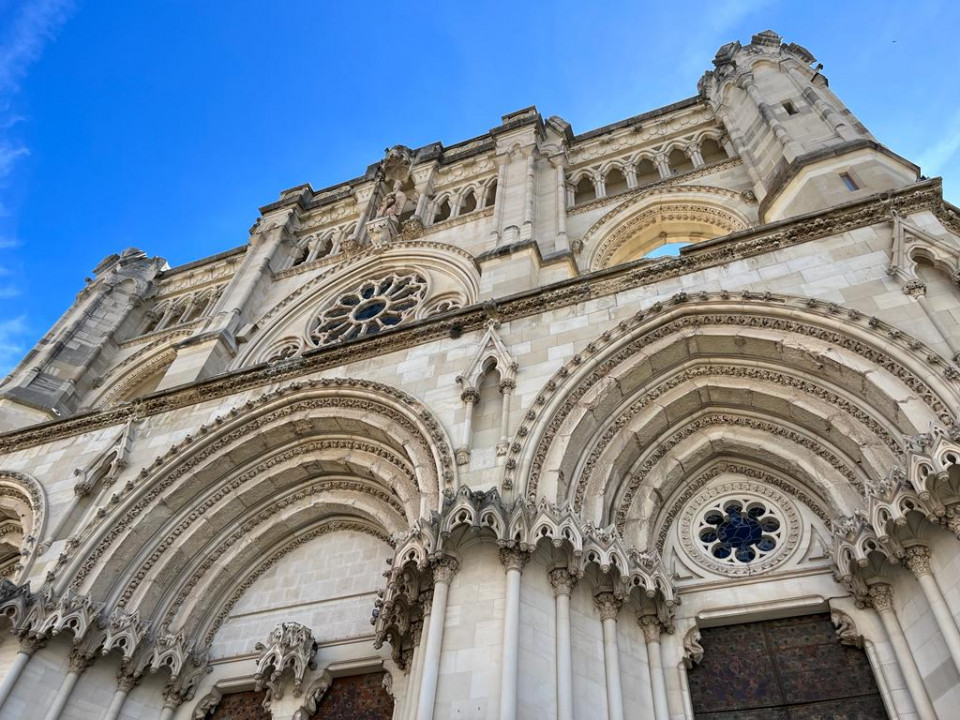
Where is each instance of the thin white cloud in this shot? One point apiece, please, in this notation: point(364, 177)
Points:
point(713, 24)
point(36, 23)
point(935, 158)
point(12, 334)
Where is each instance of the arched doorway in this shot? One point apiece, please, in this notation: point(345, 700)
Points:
point(785, 669)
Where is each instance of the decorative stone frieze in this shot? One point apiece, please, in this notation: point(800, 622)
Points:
point(428, 548)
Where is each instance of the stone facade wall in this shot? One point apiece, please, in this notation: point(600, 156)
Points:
point(208, 497)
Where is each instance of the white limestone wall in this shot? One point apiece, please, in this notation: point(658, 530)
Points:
point(469, 685)
point(537, 694)
point(634, 668)
point(328, 584)
point(586, 639)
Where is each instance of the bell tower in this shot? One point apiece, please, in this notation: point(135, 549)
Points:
point(803, 147)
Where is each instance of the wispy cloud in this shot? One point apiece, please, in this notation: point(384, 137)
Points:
point(33, 25)
point(936, 157)
point(711, 26)
point(13, 331)
point(30, 25)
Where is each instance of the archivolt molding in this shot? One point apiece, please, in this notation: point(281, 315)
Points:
point(752, 372)
point(209, 568)
point(127, 382)
point(26, 491)
point(884, 347)
point(634, 480)
point(425, 437)
point(244, 528)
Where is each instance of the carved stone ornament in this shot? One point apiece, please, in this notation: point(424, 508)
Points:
point(608, 604)
point(739, 528)
point(313, 696)
point(846, 629)
point(513, 558)
point(692, 649)
point(290, 645)
point(650, 624)
point(881, 597)
point(918, 560)
point(562, 581)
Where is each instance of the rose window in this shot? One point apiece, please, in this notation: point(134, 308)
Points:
point(739, 527)
point(739, 531)
point(374, 306)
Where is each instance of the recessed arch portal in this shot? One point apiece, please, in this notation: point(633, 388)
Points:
point(818, 397)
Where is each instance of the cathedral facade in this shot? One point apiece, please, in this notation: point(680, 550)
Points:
point(655, 421)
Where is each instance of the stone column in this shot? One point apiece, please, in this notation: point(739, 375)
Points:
point(529, 197)
point(506, 394)
point(562, 243)
point(513, 560)
point(125, 683)
point(609, 605)
point(79, 662)
point(882, 598)
point(28, 646)
point(563, 583)
point(171, 701)
point(419, 633)
point(658, 688)
point(443, 573)
point(470, 398)
point(918, 560)
point(502, 162)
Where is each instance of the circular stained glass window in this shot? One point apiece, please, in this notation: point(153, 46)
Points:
point(740, 531)
point(739, 528)
point(370, 308)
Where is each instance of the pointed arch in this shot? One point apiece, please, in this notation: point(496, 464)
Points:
point(23, 520)
point(801, 389)
point(323, 451)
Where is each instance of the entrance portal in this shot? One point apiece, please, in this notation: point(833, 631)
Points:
point(789, 669)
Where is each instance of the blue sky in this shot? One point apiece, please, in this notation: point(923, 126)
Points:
point(166, 124)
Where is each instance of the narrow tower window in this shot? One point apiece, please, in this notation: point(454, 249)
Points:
point(849, 182)
point(789, 107)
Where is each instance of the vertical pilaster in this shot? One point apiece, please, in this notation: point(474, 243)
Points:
point(502, 161)
point(918, 560)
point(529, 195)
point(444, 571)
point(29, 644)
point(609, 606)
point(563, 583)
point(80, 660)
point(125, 683)
point(513, 560)
point(881, 596)
point(658, 687)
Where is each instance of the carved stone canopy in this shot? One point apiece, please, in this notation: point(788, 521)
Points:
point(290, 645)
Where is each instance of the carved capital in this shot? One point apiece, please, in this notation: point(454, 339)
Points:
point(881, 597)
point(650, 624)
point(80, 660)
point(608, 604)
point(513, 558)
point(563, 582)
point(126, 681)
point(470, 396)
point(444, 570)
point(918, 560)
point(30, 643)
